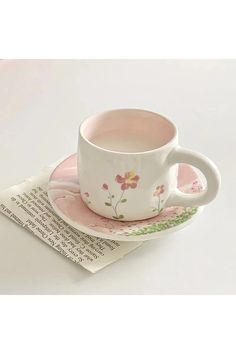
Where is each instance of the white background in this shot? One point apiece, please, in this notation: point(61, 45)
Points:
point(41, 106)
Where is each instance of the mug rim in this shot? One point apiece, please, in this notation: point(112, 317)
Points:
point(162, 147)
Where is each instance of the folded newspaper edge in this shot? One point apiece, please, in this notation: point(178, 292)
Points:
point(27, 204)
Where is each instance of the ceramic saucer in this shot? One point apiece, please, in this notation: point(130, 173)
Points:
point(64, 196)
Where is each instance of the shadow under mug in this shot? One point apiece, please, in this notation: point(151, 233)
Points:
point(128, 164)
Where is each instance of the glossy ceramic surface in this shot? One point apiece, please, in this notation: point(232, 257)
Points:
point(65, 197)
point(128, 165)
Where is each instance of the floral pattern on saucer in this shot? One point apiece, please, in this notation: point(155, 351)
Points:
point(64, 195)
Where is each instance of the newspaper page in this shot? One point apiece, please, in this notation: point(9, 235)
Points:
point(27, 204)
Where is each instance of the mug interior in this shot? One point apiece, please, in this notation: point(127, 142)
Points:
point(128, 130)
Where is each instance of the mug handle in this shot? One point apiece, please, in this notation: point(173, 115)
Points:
point(206, 166)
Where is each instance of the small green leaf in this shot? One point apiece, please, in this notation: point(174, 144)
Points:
point(123, 200)
point(121, 216)
point(108, 204)
point(113, 196)
point(115, 217)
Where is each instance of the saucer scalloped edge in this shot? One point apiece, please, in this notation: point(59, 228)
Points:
point(64, 196)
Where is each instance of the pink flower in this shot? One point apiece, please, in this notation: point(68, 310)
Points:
point(105, 186)
point(129, 180)
point(159, 190)
point(86, 194)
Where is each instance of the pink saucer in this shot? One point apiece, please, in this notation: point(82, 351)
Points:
point(64, 196)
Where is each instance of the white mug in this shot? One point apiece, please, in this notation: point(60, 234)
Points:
point(128, 163)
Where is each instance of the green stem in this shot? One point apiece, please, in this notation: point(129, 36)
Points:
point(118, 202)
point(111, 201)
point(159, 203)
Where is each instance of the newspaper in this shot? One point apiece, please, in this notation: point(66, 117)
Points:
point(27, 204)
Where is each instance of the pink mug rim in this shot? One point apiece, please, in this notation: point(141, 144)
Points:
point(162, 147)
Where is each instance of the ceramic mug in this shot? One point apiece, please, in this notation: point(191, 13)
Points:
point(128, 164)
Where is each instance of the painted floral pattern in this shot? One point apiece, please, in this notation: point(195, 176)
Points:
point(87, 195)
point(129, 180)
point(177, 218)
point(66, 198)
point(158, 195)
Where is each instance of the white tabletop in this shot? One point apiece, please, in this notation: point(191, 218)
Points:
point(41, 106)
